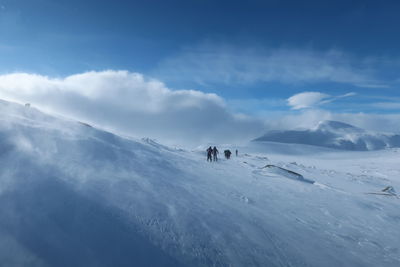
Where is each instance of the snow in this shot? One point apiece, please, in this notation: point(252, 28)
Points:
point(334, 134)
point(282, 172)
point(74, 195)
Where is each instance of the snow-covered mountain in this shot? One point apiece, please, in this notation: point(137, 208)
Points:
point(74, 195)
point(334, 134)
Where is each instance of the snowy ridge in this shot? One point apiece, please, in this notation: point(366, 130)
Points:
point(73, 195)
point(334, 134)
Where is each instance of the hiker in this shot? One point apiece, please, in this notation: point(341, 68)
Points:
point(236, 152)
point(227, 154)
point(209, 153)
point(215, 152)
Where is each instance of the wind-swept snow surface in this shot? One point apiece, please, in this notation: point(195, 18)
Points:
point(73, 195)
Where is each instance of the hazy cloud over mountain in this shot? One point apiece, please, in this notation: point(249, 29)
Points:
point(133, 104)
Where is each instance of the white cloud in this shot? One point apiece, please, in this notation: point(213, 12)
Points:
point(133, 104)
point(306, 100)
point(225, 64)
point(312, 99)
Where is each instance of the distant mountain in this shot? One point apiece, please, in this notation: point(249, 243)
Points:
point(334, 134)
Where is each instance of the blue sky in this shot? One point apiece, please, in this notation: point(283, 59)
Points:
point(253, 54)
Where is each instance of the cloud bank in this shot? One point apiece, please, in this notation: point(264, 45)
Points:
point(132, 104)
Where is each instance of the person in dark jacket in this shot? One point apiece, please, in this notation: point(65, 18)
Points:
point(209, 153)
point(215, 153)
point(227, 154)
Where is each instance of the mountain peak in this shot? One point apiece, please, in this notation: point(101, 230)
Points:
point(334, 134)
point(336, 127)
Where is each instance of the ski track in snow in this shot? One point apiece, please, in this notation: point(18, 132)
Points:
point(73, 195)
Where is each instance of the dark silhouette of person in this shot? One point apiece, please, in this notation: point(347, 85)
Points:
point(227, 154)
point(237, 152)
point(209, 153)
point(215, 153)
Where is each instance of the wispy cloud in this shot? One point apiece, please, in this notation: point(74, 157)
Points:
point(226, 64)
point(313, 99)
point(386, 105)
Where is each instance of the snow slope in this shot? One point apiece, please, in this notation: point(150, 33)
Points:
point(73, 195)
point(334, 134)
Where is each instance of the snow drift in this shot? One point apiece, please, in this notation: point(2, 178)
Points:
point(287, 173)
point(335, 134)
point(74, 195)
